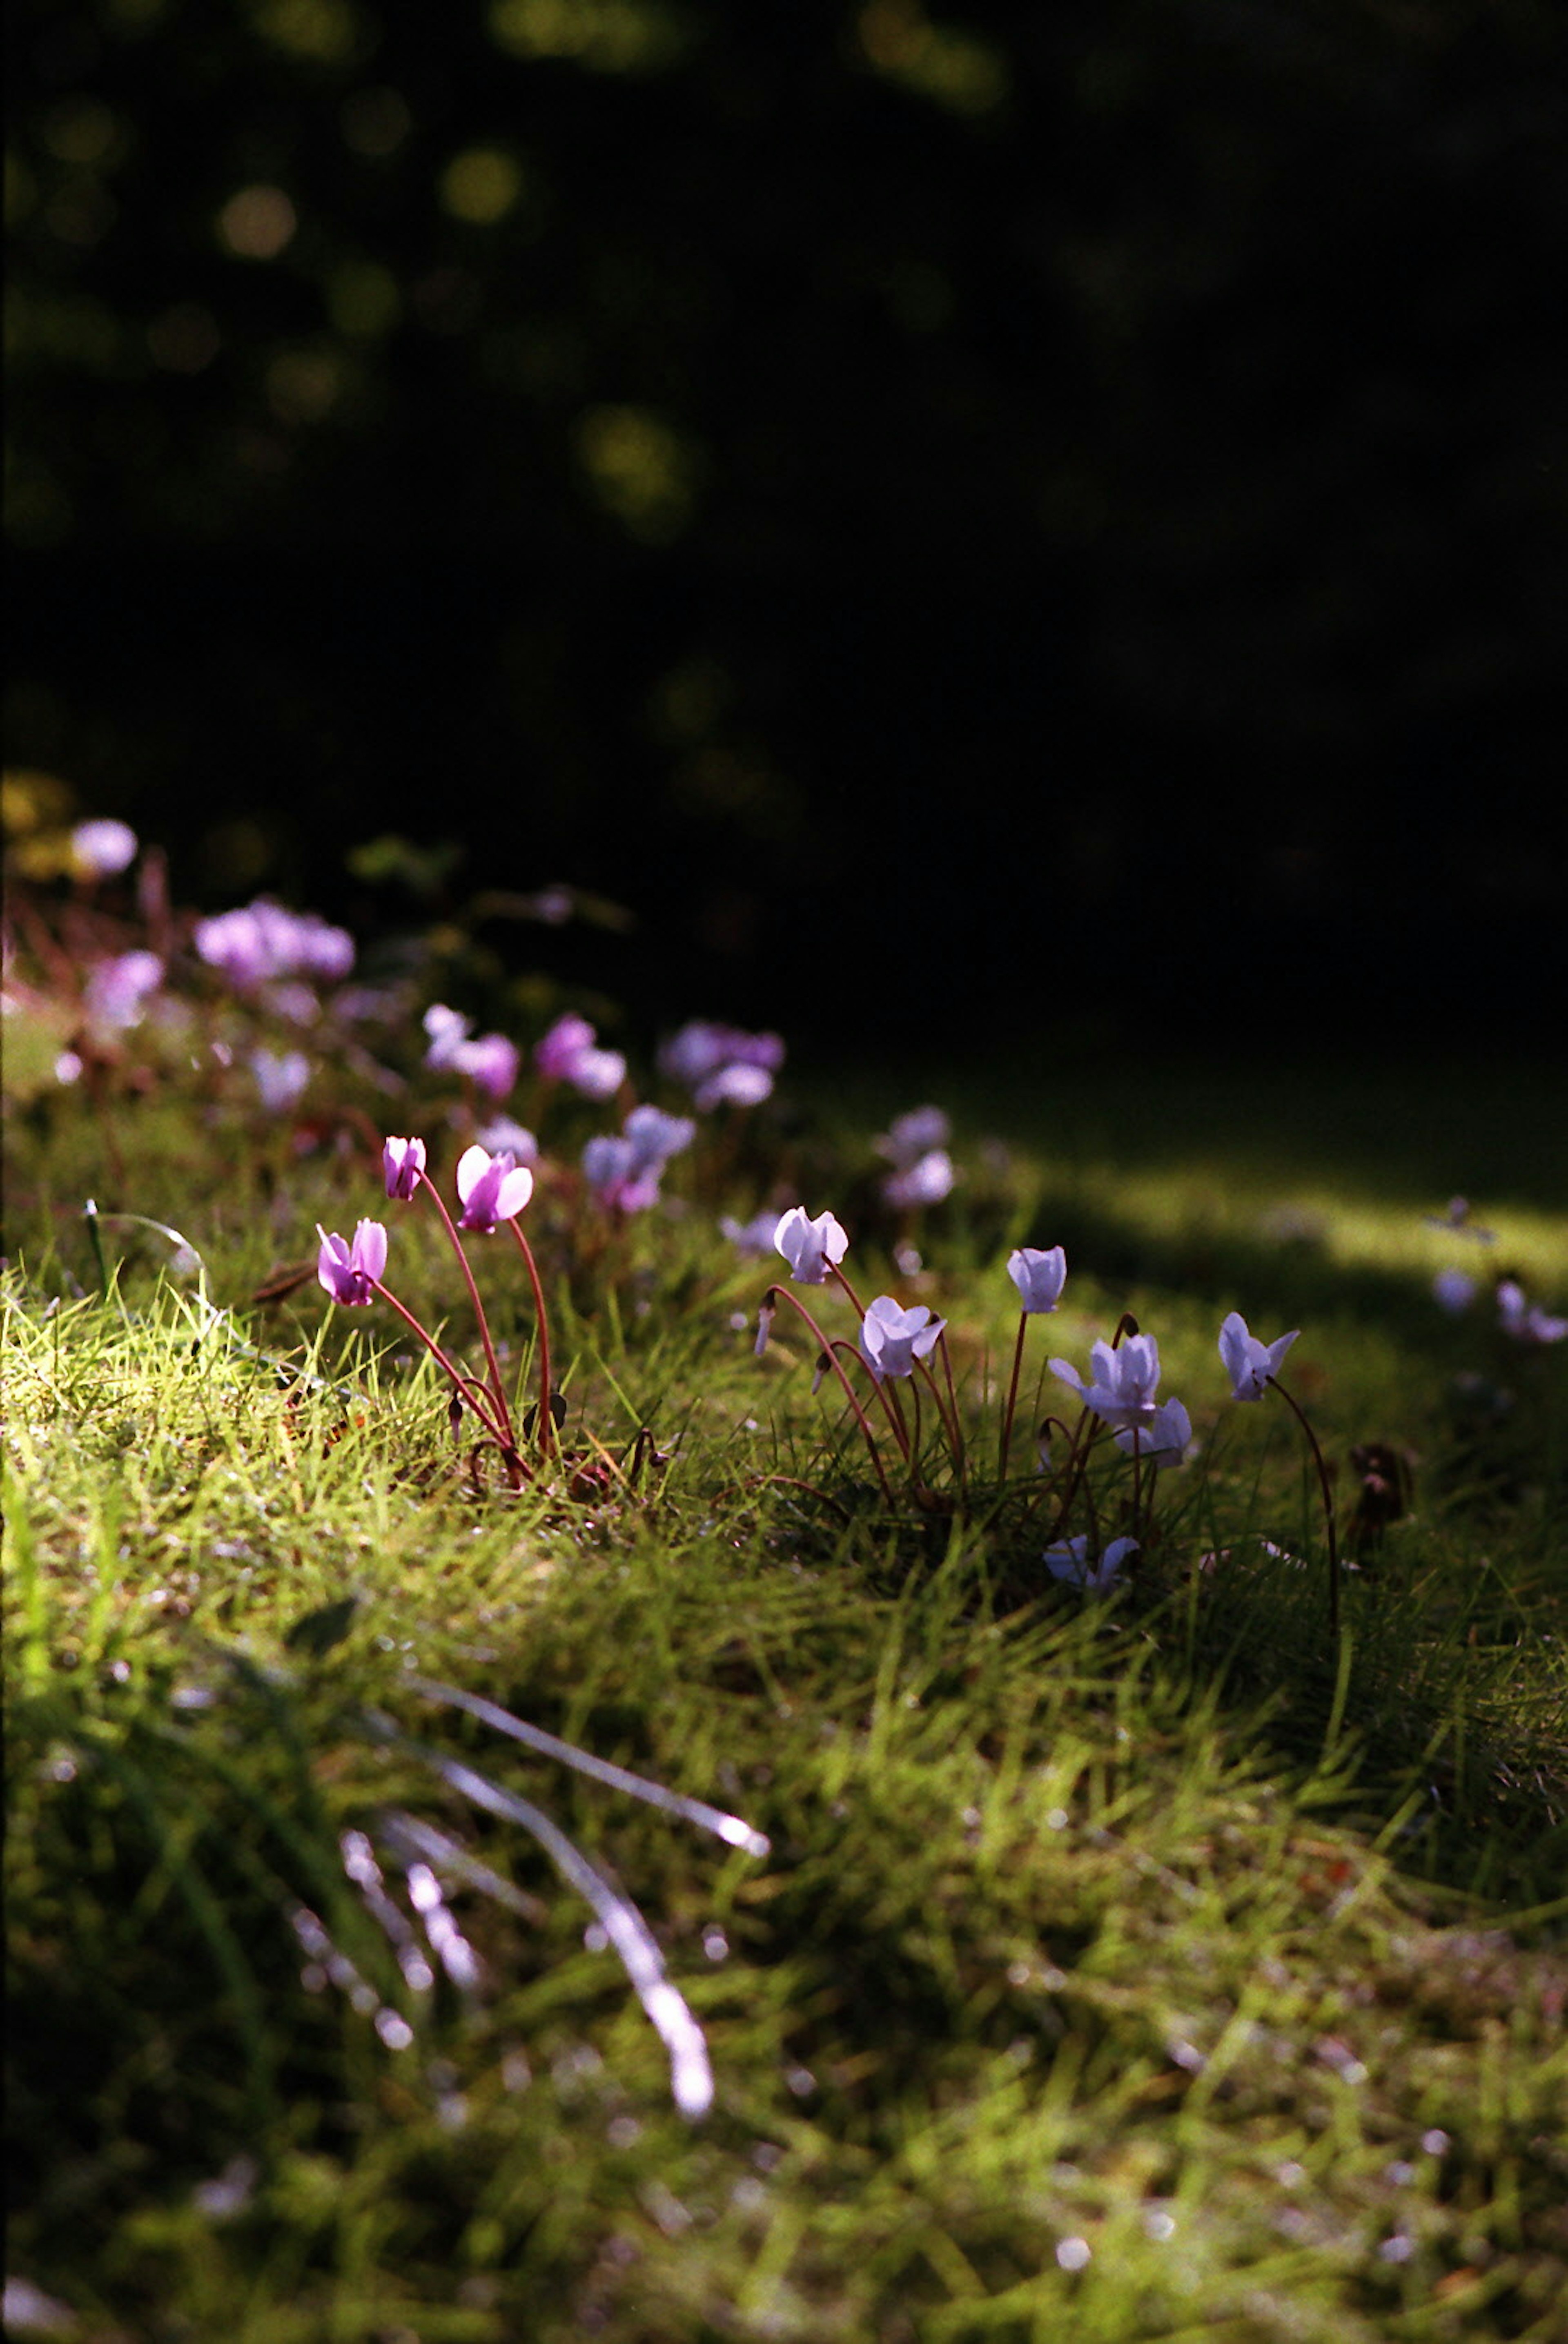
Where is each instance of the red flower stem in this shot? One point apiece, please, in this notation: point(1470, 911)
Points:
point(468, 1388)
point(949, 1423)
point(828, 1353)
point(1012, 1398)
point(545, 1427)
point(1327, 1497)
point(495, 1385)
point(960, 1454)
point(859, 1304)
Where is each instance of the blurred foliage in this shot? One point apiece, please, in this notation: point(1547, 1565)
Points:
point(1059, 407)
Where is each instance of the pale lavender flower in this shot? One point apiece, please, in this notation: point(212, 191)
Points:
point(68, 1066)
point(740, 1084)
point(261, 941)
point(892, 1338)
point(1453, 1290)
point(349, 1273)
point(516, 1139)
point(924, 1182)
point(447, 1029)
point(1250, 1365)
point(703, 1053)
point(914, 1135)
point(101, 849)
point(752, 1236)
point(491, 1063)
point(810, 1247)
point(569, 1053)
point(293, 999)
point(654, 1136)
point(1039, 1276)
point(402, 1161)
point(1525, 1321)
point(611, 1168)
point(1124, 1379)
point(119, 988)
point(1068, 1559)
point(279, 1078)
point(492, 1189)
point(1163, 1441)
point(1455, 1220)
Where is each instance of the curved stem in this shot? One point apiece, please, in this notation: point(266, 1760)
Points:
point(1327, 1497)
point(468, 1388)
point(827, 1351)
point(495, 1385)
point(545, 1426)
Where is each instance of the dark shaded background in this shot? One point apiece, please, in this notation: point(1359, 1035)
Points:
point(963, 517)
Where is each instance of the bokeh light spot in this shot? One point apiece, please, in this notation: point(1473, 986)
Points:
point(480, 186)
point(257, 223)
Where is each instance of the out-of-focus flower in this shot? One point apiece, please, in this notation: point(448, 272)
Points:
point(280, 1077)
point(924, 1182)
point(1068, 1559)
point(100, 849)
point(492, 1189)
point(752, 1236)
point(402, 1161)
point(119, 988)
point(722, 1065)
point(1454, 1220)
point(1526, 1320)
point(912, 1136)
point(611, 1168)
point(515, 1138)
point(893, 1338)
point(447, 1029)
point(69, 1067)
point(351, 1272)
point(261, 941)
point(1250, 1365)
point(1161, 1442)
point(654, 1136)
point(1453, 1290)
point(1039, 1276)
point(569, 1053)
point(1125, 1381)
point(491, 1063)
point(810, 1247)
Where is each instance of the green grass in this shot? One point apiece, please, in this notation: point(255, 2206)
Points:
point(1146, 1969)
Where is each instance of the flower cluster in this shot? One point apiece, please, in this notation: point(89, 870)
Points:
point(722, 1065)
point(262, 942)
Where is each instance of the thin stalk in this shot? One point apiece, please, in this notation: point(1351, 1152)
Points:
point(1327, 1497)
point(468, 1388)
point(496, 1386)
point(545, 1424)
point(827, 1351)
point(1007, 1440)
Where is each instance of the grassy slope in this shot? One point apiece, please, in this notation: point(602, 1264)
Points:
point(1088, 1982)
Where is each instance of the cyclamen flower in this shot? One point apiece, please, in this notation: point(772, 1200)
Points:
point(280, 1079)
point(568, 1053)
point(402, 1161)
point(119, 988)
point(924, 1182)
point(914, 1135)
point(722, 1063)
point(1527, 1321)
point(447, 1029)
point(351, 1272)
point(810, 1247)
point(261, 941)
point(99, 850)
point(610, 1169)
point(1125, 1381)
point(516, 1139)
point(1453, 1290)
point(653, 1137)
point(753, 1237)
point(1068, 1559)
point(493, 1188)
point(490, 1062)
point(1161, 1442)
point(892, 1338)
point(1250, 1365)
point(1038, 1276)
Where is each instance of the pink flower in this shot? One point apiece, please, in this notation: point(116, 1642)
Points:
point(402, 1161)
point(119, 988)
point(491, 1063)
point(568, 1053)
point(101, 849)
point(351, 1273)
point(493, 1188)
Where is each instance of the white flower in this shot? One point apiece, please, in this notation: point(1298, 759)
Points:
point(1122, 1392)
point(810, 1247)
point(1068, 1559)
point(1250, 1365)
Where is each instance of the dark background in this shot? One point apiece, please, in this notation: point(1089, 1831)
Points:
point(962, 521)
